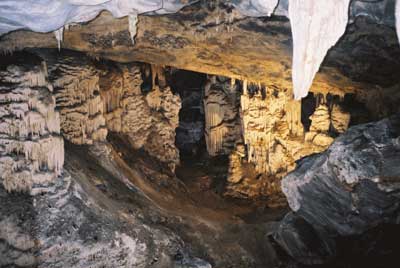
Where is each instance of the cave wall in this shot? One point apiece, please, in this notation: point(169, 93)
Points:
point(31, 149)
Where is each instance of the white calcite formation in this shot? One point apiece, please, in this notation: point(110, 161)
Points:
point(264, 124)
point(256, 8)
point(222, 125)
point(274, 139)
point(76, 88)
point(397, 15)
point(316, 27)
point(165, 108)
point(148, 120)
point(31, 150)
point(320, 122)
point(125, 107)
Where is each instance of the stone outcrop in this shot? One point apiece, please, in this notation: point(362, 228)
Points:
point(345, 191)
point(31, 150)
point(222, 120)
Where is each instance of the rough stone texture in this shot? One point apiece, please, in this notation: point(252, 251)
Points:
point(165, 108)
point(340, 119)
point(31, 150)
point(274, 138)
point(217, 40)
point(347, 190)
point(222, 120)
point(125, 107)
point(74, 224)
point(94, 98)
point(77, 93)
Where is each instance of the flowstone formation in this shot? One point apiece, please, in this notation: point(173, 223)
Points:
point(222, 121)
point(97, 98)
point(77, 93)
point(274, 138)
point(345, 191)
point(165, 108)
point(31, 149)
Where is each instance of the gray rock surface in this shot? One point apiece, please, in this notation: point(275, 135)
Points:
point(345, 191)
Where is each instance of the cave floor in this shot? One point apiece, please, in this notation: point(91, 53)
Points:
point(225, 232)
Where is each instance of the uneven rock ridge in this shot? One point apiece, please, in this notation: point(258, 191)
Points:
point(345, 191)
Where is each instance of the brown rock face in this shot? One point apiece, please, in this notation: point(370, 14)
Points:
point(218, 40)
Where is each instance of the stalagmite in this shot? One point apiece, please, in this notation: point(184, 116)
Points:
point(320, 123)
point(31, 150)
point(148, 120)
point(316, 27)
point(293, 110)
point(340, 119)
point(165, 119)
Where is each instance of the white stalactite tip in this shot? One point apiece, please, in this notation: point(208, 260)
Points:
point(133, 20)
point(398, 19)
point(59, 36)
point(316, 27)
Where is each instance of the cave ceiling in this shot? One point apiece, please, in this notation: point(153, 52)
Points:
point(250, 40)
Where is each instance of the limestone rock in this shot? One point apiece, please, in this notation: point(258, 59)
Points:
point(320, 120)
point(274, 138)
point(350, 188)
point(76, 89)
point(316, 27)
point(165, 108)
point(31, 150)
point(340, 119)
point(222, 125)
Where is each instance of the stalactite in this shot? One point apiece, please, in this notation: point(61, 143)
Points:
point(397, 15)
point(316, 26)
point(59, 36)
point(31, 150)
point(76, 88)
point(132, 23)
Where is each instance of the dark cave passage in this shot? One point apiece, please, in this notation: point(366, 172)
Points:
point(190, 132)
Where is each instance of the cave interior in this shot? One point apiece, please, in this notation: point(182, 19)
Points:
point(199, 134)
